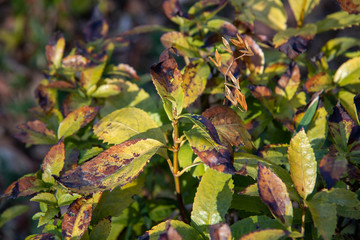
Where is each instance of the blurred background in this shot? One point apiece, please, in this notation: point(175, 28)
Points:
point(25, 28)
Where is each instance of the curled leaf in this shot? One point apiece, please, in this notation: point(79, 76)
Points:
point(35, 132)
point(117, 166)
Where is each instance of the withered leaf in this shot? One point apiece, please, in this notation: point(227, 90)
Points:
point(96, 28)
point(194, 81)
point(53, 162)
point(74, 101)
point(117, 166)
point(274, 194)
point(172, 8)
point(289, 82)
point(42, 236)
point(294, 46)
point(25, 186)
point(170, 233)
point(255, 63)
point(318, 82)
point(76, 120)
point(77, 218)
point(332, 167)
point(179, 41)
point(75, 62)
point(350, 6)
point(229, 126)
point(63, 85)
point(35, 132)
point(45, 97)
point(127, 70)
point(220, 231)
point(55, 49)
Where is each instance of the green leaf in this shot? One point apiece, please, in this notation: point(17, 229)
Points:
point(271, 13)
point(125, 124)
point(35, 132)
point(180, 42)
point(76, 120)
point(74, 101)
point(194, 80)
point(12, 212)
point(302, 164)
point(117, 166)
point(90, 76)
point(337, 20)
point(339, 196)
point(48, 216)
point(317, 129)
point(55, 49)
point(276, 153)
point(186, 231)
point(302, 7)
point(308, 116)
point(324, 216)
point(338, 46)
point(212, 199)
point(249, 204)
point(273, 193)
point(77, 219)
point(101, 230)
point(347, 101)
point(146, 29)
point(109, 201)
point(64, 198)
point(348, 73)
point(308, 32)
point(47, 198)
point(268, 234)
point(89, 153)
point(250, 224)
point(53, 162)
point(107, 89)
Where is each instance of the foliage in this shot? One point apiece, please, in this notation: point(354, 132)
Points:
point(279, 158)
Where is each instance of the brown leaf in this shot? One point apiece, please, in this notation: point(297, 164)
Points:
point(261, 92)
point(255, 63)
point(229, 125)
point(130, 71)
point(340, 123)
point(220, 231)
point(25, 186)
point(43, 236)
point(274, 194)
point(350, 6)
point(318, 82)
point(294, 46)
point(75, 62)
point(220, 160)
point(332, 167)
point(77, 218)
point(45, 97)
point(55, 49)
point(172, 8)
point(35, 132)
point(64, 85)
point(289, 82)
point(97, 28)
point(170, 233)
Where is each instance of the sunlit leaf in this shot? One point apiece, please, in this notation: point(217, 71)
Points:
point(318, 82)
point(348, 73)
point(307, 32)
point(250, 224)
point(108, 89)
point(268, 234)
point(55, 49)
point(337, 20)
point(53, 162)
point(302, 8)
point(275, 153)
point(77, 218)
point(90, 76)
point(194, 81)
point(220, 231)
point(89, 153)
point(75, 62)
point(318, 128)
point(76, 120)
point(222, 27)
point(116, 166)
point(338, 46)
point(179, 41)
point(12, 212)
point(123, 70)
point(64, 198)
point(212, 199)
point(255, 63)
point(347, 101)
point(204, 10)
point(274, 194)
point(42, 236)
point(289, 82)
point(47, 216)
point(302, 164)
point(308, 116)
point(35, 132)
point(185, 230)
point(25, 186)
point(101, 230)
point(45, 197)
point(324, 216)
point(229, 126)
point(125, 124)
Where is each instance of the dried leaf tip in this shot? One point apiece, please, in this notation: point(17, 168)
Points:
point(217, 58)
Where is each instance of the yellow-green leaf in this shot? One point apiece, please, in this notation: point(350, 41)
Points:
point(107, 89)
point(302, 8)
point(267, 234)
point(348, 73)
point(337, 20)
point(185, 230)
point(213, 199)
point(302, 164)
point(55, 49)
point(53, 162)
point(194, 80)
point(45, 197)
point(76, 120)
point(274, 194)
point(90, 76)
point(101, 230)
point(35, 132)
point(308, 32)
point(77, 219)
point(11, 213)
point(180, 42)
point(127, 123)
point(116, 166)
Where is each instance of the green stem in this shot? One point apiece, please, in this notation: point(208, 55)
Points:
point(175, 166)
point(186, 168)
